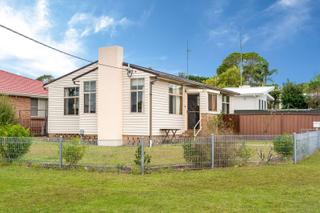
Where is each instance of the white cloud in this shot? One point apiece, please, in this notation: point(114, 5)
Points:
point(87, 24)
point(24, 56)
point(286, 18)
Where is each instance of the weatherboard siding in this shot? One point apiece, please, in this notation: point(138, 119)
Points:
point(161, 118)
point(135, 123)
point(57, 121)
point(87, 121)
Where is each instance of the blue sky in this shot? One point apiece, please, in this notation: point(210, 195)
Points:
point(155, 34)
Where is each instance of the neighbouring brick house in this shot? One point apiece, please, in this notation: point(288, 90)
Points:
point(29, 99)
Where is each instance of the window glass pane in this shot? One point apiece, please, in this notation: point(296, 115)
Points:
point(93, 86)
point(170, 89)
point(140, 101)
point(93, 103)
point(76, 106)
point(86, 86)
point(137, 84)
point(34, 107)
point(86, 103)
point(133, 102)
point(140, 84)
point(210, 102)
point(171, 97)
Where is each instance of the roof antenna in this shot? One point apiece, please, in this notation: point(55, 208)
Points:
point(188, 51)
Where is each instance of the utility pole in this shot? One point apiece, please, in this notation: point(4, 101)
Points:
point(241, 58)
point(188, 51)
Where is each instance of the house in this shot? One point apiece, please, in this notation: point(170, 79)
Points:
point(250, 98)
point(114, 101)
point(28, 97)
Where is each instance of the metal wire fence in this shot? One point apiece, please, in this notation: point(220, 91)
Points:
point(305, 144)
point(183, 153)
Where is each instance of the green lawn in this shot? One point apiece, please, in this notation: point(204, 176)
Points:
point(279, 188)
point(45, 152)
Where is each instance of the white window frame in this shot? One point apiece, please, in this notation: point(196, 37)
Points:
point(177, 93)
point(90, 92)
point(70, 97)
point(137, 91)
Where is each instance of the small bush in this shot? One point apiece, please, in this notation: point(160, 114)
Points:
point(73, 151)
point(7, 112)
point(283, 145)
point(200, 153)
point(14, 142)
point(147, 157)
point(244, 153)
point(197, 153)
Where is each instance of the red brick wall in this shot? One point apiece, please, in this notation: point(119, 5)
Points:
point(21, 103)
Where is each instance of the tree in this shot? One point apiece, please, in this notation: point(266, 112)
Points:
point(193, 77)
point(276, 93)
point(229, 78)
point(292, 96)
point(313, 91)
point(45, 78)
point(7, 111)
point(255, 68)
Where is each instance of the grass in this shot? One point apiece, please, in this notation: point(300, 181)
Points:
point(279, 188)
point(46, 152)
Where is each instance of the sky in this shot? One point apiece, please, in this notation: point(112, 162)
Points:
point(155, 34)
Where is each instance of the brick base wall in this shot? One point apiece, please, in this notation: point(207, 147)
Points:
point(21, 104)
point(92, 139)
point(207, 125)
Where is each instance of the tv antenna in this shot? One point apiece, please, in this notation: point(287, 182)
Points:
point(188, 51)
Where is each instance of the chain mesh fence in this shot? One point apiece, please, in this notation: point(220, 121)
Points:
point(306, 144)
point(181, 153)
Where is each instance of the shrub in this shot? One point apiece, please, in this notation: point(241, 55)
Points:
point(147, 157)
point(244, 153)
point(283, 145)
point(14, 142)
point(200, 153)
point(197, 153)
point(73, 151)
point(7, 112)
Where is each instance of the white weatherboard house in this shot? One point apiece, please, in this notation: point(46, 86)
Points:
point(113, 101)
point(250, 98)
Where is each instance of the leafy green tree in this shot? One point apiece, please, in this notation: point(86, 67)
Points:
point(256, 70)
point(292, 96)
point(7, 112)
point(229, 78)
point(276, 93)
point(45, 78)
point(313, 91)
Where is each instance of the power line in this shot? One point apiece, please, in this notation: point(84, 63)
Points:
point(56, 49)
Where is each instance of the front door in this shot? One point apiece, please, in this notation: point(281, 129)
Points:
point(193, 111)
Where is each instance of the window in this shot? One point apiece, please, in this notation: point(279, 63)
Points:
point(175, 99)
point(34, 107)
point(71, 101)
point(225, 104)
point(137, 86)
point(212, 102)
point(89, 90)
point(260, 105)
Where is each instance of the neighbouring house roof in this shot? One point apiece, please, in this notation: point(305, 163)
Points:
point(252, 91)
point(157, 73)
point(12, 84)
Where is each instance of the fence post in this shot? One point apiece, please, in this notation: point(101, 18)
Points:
point(212, 151)
point(295, 148)
point(60, 152)
point(142, 156)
